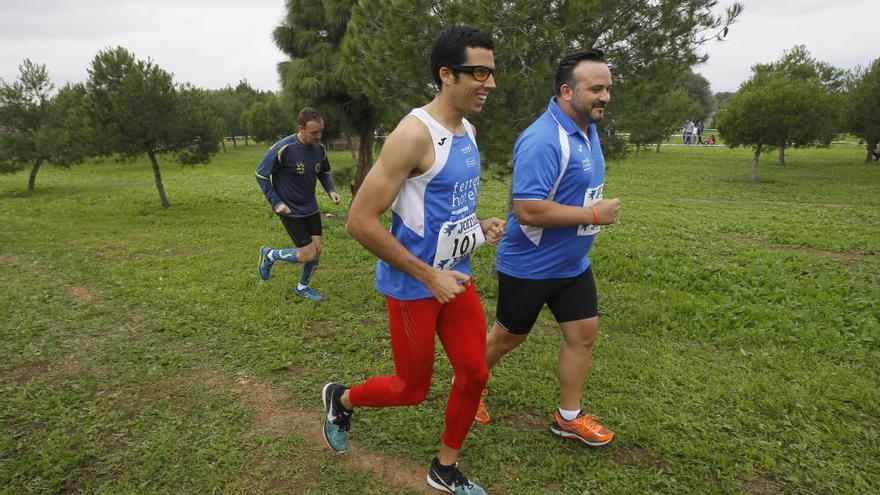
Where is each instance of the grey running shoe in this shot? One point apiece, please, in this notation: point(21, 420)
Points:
point(336, 422)
point(452, 481)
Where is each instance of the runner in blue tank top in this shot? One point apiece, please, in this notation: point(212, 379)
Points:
point(558, 205)
point(428, 174)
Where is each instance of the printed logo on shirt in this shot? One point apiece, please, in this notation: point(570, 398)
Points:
point(470, 162)
point(300, 168)
point(585, 164)
point(318, 168)
point(441, 141)
point(467, 149)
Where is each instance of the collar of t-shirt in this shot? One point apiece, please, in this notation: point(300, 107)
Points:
point(565, 121)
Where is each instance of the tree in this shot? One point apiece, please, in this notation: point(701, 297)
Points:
point(772, 110)
point(225, 105)
point(651, 115)
point(38, 127)
point(698, 89)
point(312, 35)
point(389, 42)
point(138, 109)
point(797, 63)
point(230, 104)
point(267, 121)
point(863, 107)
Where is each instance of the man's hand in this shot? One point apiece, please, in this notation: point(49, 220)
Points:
point(335, 197)
point(493, 229)
point(607, 209)
point(445, 285)
point(282, 209)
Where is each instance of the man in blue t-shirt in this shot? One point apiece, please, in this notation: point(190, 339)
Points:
point(287, 175)
point(558, 205)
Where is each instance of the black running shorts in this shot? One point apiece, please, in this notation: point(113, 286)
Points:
point(301, 229)
point(520, 300)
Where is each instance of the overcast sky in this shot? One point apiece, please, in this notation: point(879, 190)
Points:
point(215, 43)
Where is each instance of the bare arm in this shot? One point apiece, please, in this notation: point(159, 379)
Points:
point(408, 151)
point(548, 213)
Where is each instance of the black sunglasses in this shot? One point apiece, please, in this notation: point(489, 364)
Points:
point(479, 72)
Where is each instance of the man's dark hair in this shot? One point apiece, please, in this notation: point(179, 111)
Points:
point(569, 61)
point(307, 115)
point(450, 47)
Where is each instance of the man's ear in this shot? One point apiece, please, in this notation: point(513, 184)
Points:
point(447, 75)
point(565, 92)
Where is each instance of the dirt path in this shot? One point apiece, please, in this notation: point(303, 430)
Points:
point(269, 407)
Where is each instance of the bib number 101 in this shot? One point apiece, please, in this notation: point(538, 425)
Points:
point(464, 247)
point(456, 241)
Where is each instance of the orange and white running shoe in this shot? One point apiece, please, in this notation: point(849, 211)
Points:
point(583, 428)
point(482, 415)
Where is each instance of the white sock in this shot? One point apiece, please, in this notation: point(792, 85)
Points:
point(569, 415)
point(300, 286)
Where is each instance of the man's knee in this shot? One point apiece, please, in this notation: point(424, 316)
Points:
point(307, 253)
point(472, 378)
point(582, 333)
point(501, 339)
point(411, 393)
point(413, 396)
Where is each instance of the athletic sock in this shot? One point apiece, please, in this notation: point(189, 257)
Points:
point(442, 468)
point(308, 270)
point(337, 403)
point(288, 255)
point(569, 415)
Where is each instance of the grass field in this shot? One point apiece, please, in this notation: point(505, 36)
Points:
point(739, 349)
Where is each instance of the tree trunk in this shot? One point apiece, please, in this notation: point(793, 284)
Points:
point(223, 144)
point(365, 158)
point(782, 155)
point(755, 162)
point(158, 177)
point(637, 149)
point(245, 139)
point(33, 179)
point(354, 156)
point(234, 141)
point(658, 147)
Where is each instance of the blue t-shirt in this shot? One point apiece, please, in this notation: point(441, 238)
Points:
point(434, 215)
point(552, 159)
point(288, 171)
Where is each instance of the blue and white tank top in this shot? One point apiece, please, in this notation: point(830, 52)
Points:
point(435, 214)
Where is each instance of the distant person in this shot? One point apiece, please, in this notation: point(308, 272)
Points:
point(710, 140)
point(287, 175)
point(428, 174)
point(700, 128)
point(686, 131)
point(558, 206)
point(877, 152)
point(694, 130)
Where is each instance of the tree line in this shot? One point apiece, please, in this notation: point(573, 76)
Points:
point(127, 108)
point(363, 65)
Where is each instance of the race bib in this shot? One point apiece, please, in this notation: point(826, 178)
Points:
point(591, 197)
point(457, 240)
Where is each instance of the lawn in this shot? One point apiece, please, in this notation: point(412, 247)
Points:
point(739, 348)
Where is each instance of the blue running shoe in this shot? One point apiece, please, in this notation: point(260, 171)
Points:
point(451, 481)
point(336, 422)
point(265, 263)
point(308, 293)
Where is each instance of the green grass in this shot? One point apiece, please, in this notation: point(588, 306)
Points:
point(739, 348)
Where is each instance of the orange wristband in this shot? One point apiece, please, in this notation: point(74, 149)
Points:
point(595, 215)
